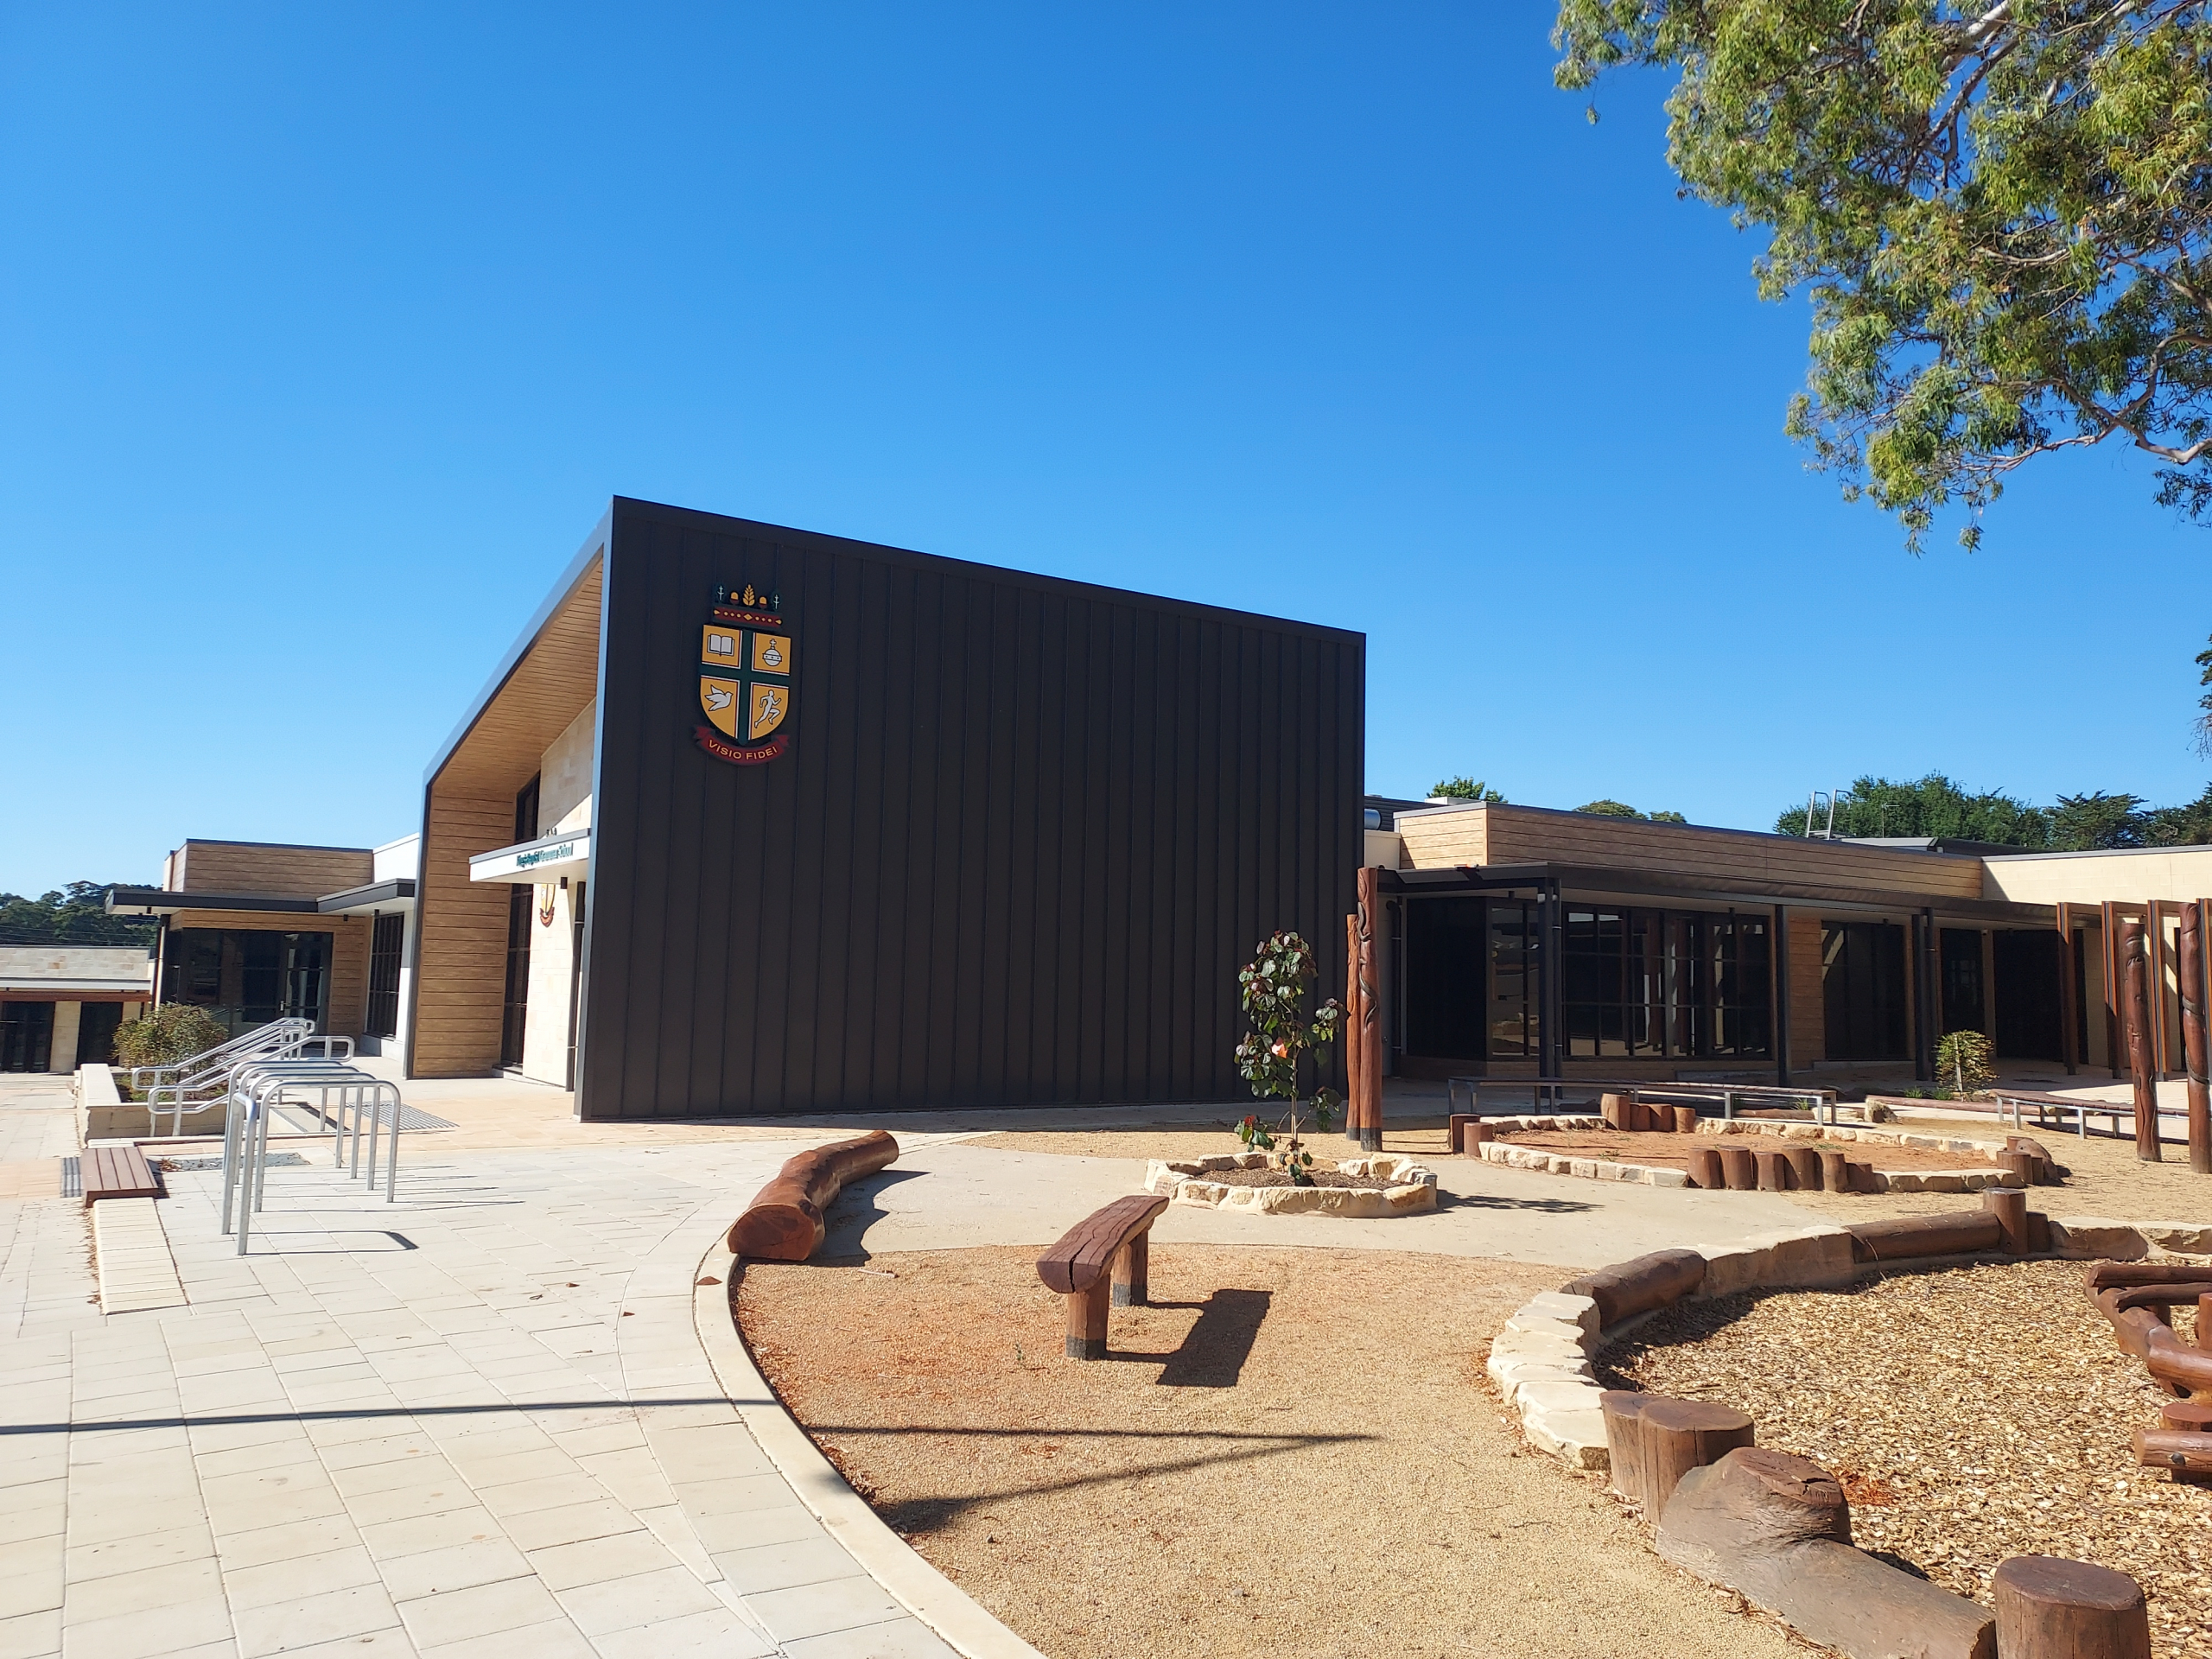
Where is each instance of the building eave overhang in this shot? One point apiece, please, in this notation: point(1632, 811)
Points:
point(1583, 880)
point(161, 902)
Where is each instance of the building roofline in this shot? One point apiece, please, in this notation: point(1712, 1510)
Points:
point(1646, 823)
point(884, 553)
point(594, 547)
point(2098, 852)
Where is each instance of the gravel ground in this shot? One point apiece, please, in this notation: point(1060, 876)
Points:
point(1295, 1451)
point(2105, 1179)
point(1971, 1414)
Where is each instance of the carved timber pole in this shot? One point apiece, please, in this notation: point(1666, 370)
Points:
point(1365, 1117)
point(2135, 1014)
point(2193, 1046)
point(1351, 1023)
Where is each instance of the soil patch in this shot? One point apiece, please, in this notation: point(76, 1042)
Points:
point(1317, 1176)
point(1673, 1150)
point(1293, 1452)
point(1971, 1414)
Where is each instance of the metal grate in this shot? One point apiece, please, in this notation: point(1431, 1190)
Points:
point(72, 1178)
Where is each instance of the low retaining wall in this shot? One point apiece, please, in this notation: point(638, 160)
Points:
point(1541, 1361)
point(1413, 1188)
point(1586, 1167)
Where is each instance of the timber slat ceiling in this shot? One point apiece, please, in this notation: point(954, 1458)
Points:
point(548, 689)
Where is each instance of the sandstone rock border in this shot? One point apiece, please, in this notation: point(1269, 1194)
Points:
point(1412, 1188)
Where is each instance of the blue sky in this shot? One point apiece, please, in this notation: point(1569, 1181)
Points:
point(327, 334)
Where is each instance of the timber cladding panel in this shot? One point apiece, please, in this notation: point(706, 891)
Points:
point(287, 872)
point(460, 962)
point(1025, 835)
point(1734, 858)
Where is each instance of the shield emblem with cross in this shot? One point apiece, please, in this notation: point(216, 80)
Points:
point(744, 677)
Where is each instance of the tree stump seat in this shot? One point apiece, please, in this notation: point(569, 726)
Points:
point(1119, 1235)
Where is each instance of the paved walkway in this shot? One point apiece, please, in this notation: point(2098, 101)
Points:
point(489, 1418)
point(478, 1421)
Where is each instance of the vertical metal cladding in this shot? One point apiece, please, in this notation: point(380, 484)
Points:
point(1024, 833)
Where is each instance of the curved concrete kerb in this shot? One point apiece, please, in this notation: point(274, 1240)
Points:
point(1412, 1189)
point(880, 1553)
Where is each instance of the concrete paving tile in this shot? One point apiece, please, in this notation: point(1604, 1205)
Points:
point(250, 1512)
point(31, 1635)
point(571, 1522)
point(552, 1492)
point(433, 1496)
point(331, 1616)
point(150, 1632)
point(286, 1540)
point(783, 1566)
point(392, 1539)
point(362, 1479)
point(504, 1468)
point(273, 1453)
point(733, 1495)
point(482, 1610)
point(371, 1644)
point(715, 1634)
point(634, 1477)
point(32, 1554)
point(566, 1566)
point(34, 1589)
point(554, 1639)
point(300, 1576)
point(901, 1638)
point(583, 1442)
point(35, 1510)
point(456, 1567)
point(620, 1603)
point(84, 1563)
point(816, 1609)
point(384, 1448)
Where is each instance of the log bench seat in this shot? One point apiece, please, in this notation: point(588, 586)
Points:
point(1120, 1236)
point(118, 1172)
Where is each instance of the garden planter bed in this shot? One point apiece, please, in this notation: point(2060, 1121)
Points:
point(1952, 1462)
point(1384, 1184)
point(1588, 1148)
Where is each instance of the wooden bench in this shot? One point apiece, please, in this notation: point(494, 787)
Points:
point(1121, 1235)
point(118, 1172)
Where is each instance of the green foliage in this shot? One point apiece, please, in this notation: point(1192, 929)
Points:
point(2001, 213)
point(1272, 990)
point(1962, 1062)
point(174, 1031)
point(74, 915)
point(1473, 789)
point(1933, 806)
point(2204, 705)
point(1623, 810)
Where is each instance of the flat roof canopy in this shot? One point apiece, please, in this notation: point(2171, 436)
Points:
point(548, 858)
point(1599, 883)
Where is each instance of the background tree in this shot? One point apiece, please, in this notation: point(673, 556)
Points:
point(2001, 213)
point(76, 915)
point(2095, 823)
point(1933, 806)
point(1609, 809)
point(1464, 789)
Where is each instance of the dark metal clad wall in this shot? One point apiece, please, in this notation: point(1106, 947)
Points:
point(1025, 835)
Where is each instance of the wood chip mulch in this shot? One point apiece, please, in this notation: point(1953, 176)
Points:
point(1970, 1414)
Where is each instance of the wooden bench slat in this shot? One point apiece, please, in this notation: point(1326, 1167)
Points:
point(1086, 1251)
point(118, 1172)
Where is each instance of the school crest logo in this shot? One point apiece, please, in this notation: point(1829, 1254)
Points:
point(744, 677)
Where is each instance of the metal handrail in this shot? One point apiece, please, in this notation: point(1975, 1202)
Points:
point(345, 1097)
point(1818, 1101)
point(293, 1044)
point(247, 1042)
